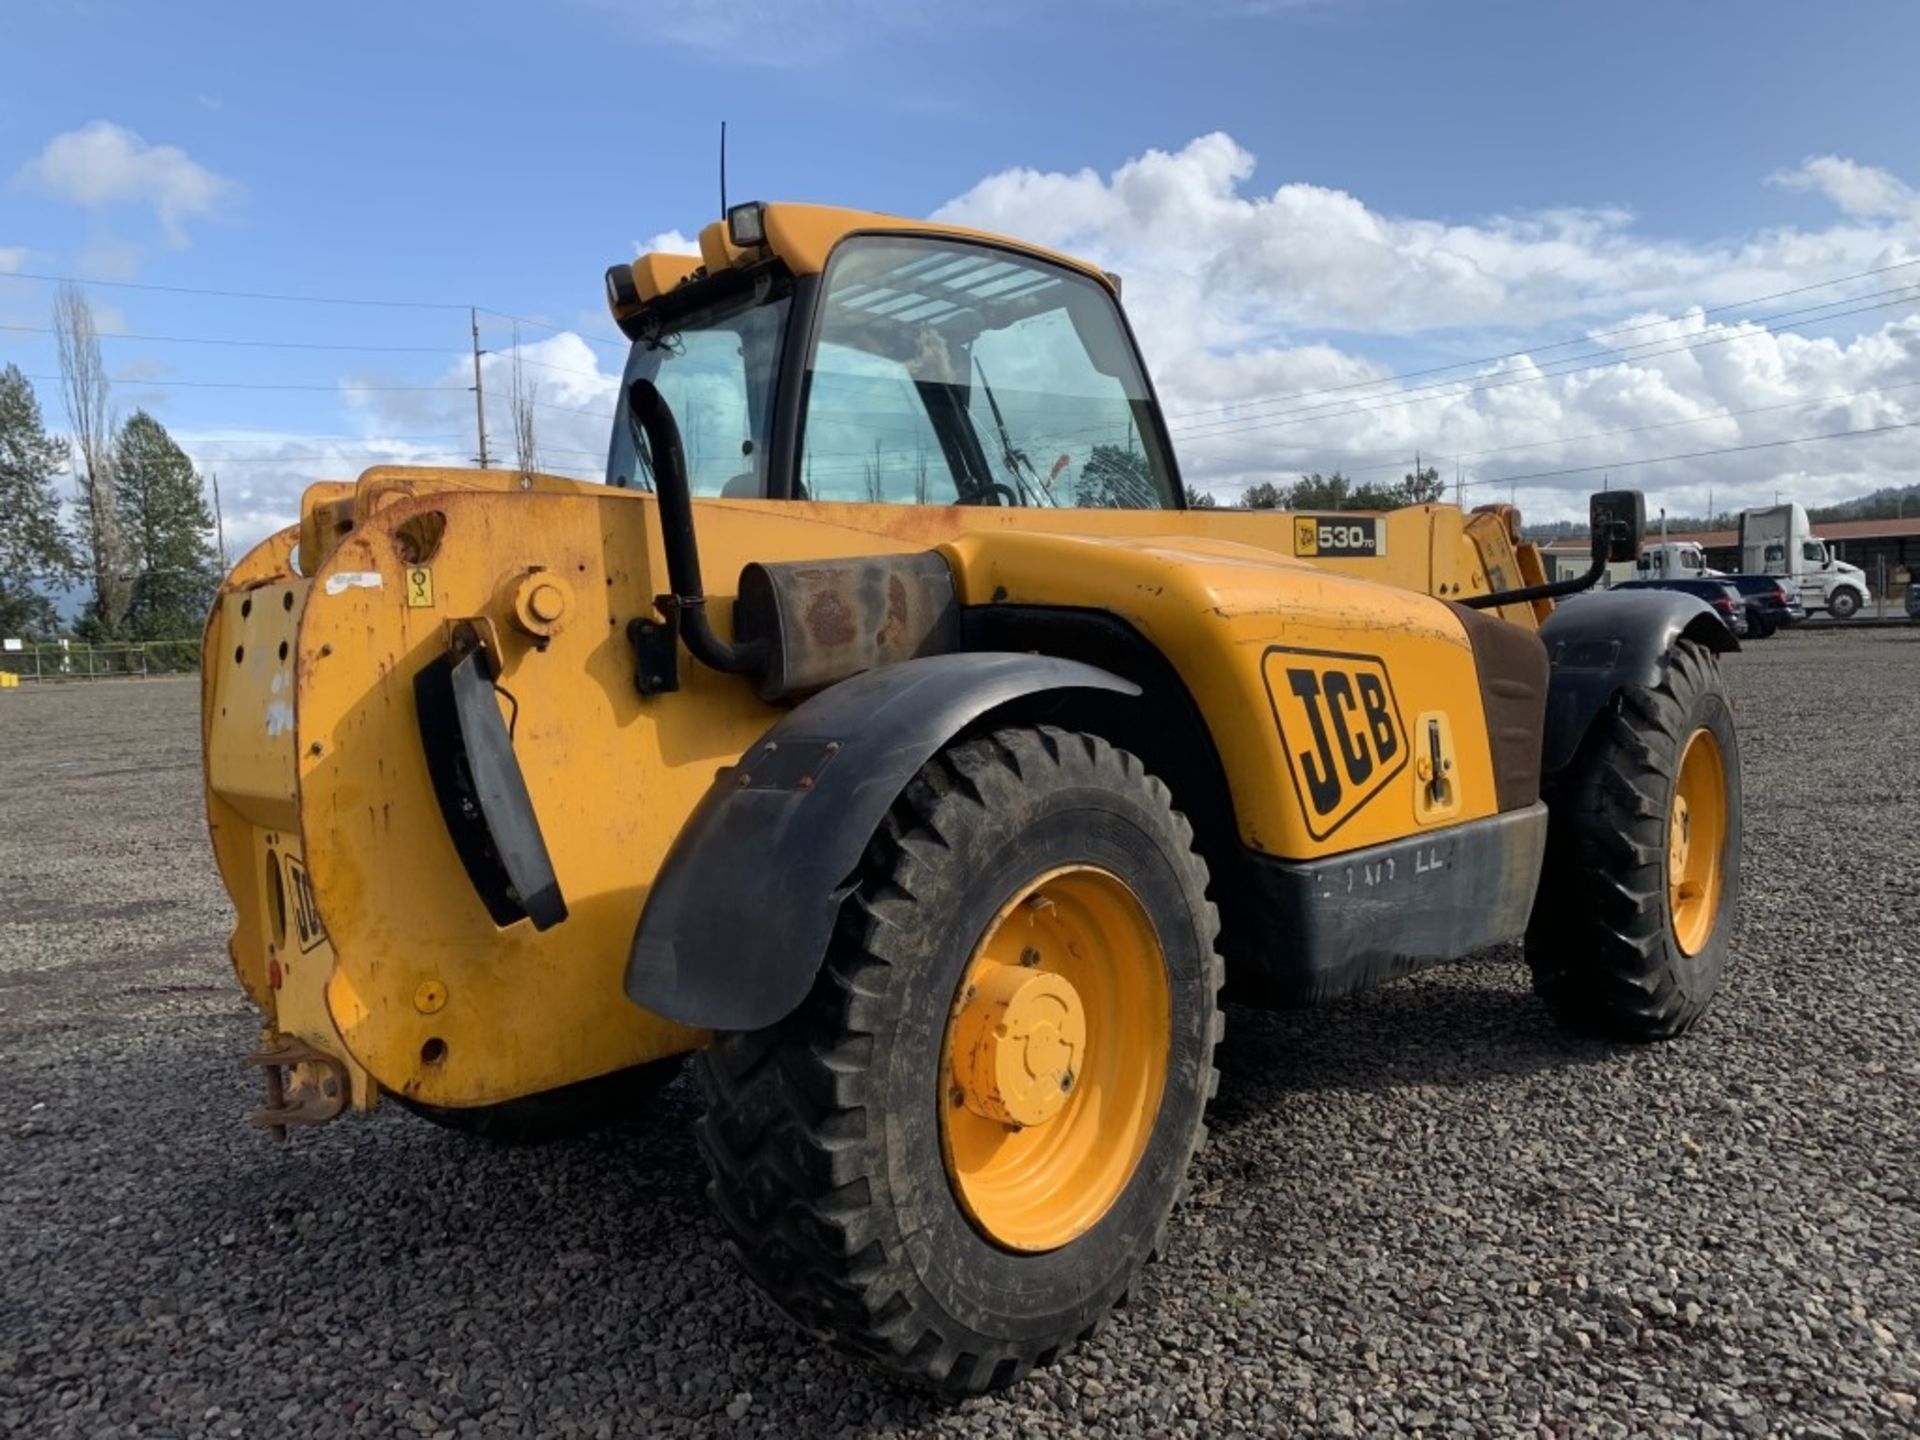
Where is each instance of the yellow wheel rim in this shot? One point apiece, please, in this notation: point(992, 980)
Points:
point(1697, 841)
point(1055, 1059)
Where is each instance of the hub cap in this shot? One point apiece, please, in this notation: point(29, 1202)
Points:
point(1055, 1058)
point(1696, 841)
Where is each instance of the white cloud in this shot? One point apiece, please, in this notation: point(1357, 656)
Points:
point(1264, 314)
point(670, 242)
point(263, 472)
point(1274, 321)
point(572, 381)
point(12, 258)
point(1860, 190)
point(102, 164)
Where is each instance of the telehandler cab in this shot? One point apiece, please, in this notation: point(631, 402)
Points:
point(936, 830)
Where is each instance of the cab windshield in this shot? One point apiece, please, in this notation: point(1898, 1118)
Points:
point(947, 373)
point(940, 374)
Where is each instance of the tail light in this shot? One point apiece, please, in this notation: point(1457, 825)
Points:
point(1721, 602)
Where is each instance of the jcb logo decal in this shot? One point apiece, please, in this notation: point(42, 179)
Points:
point(304, 913)
point(1340, 726)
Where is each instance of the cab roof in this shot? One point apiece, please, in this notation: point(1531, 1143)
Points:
point(801, 237)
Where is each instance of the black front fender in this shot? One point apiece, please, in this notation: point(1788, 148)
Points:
point(1607, 640)
point(738, 919)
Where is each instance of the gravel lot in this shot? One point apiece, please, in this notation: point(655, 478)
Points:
point(1423, 1210)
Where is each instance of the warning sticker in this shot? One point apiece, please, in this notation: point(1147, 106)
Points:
point(419, 587)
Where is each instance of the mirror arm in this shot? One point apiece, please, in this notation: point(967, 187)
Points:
point(1552, 590)
point(1616, 525)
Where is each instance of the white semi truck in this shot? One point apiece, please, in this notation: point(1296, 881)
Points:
point(1778, 540)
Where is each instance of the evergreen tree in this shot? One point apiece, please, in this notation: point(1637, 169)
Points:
point(34, 545)
point(1262, 495)
point(1321, 492)
point(1422, 487)
point(167, 529)
point(1198, 499)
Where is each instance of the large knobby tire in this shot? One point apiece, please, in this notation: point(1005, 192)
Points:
point(561, 1114)
point(1629, 933)
point(846, 1154)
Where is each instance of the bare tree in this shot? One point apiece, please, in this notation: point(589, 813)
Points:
point(523, 399)
point(83, 381)
point(922, 489)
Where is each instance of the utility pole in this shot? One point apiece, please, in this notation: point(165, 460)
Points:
point(479, 392)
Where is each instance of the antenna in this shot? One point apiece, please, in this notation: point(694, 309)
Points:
point(723, 169)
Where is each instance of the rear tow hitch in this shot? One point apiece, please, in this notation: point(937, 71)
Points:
point(305, 1086)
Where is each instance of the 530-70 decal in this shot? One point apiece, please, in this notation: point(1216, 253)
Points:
point(1339, 536)
point(1340, 726)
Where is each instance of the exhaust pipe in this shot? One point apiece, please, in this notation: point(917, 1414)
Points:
point(686, 608)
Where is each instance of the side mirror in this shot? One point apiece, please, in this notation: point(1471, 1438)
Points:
point(1619, 518)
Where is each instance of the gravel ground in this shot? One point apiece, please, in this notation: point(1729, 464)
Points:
point(1423, 1210)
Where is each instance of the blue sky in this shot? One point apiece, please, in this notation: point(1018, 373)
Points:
point(1300, 195)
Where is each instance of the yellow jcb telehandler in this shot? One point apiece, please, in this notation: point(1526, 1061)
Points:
point(934, 831)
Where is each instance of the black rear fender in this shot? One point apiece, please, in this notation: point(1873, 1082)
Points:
point(738, 919)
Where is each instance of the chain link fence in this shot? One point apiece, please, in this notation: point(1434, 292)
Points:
point(76, 660)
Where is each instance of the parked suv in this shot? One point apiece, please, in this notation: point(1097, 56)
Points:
point(1726, 601)
point(1772, 602)
point(1913, 601)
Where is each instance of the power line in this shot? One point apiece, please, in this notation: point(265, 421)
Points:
point(608, 340)
point(1698, 454)
point(374, 439)
point(1589, 338)
point(326, 457)
point(250, 344)
point(135, 382)
point(1572, 364)
point(1456, 389)
point(292, 299)
point(1458, 455)
point(232, 294)
point(606, 415)
point(548, 364)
